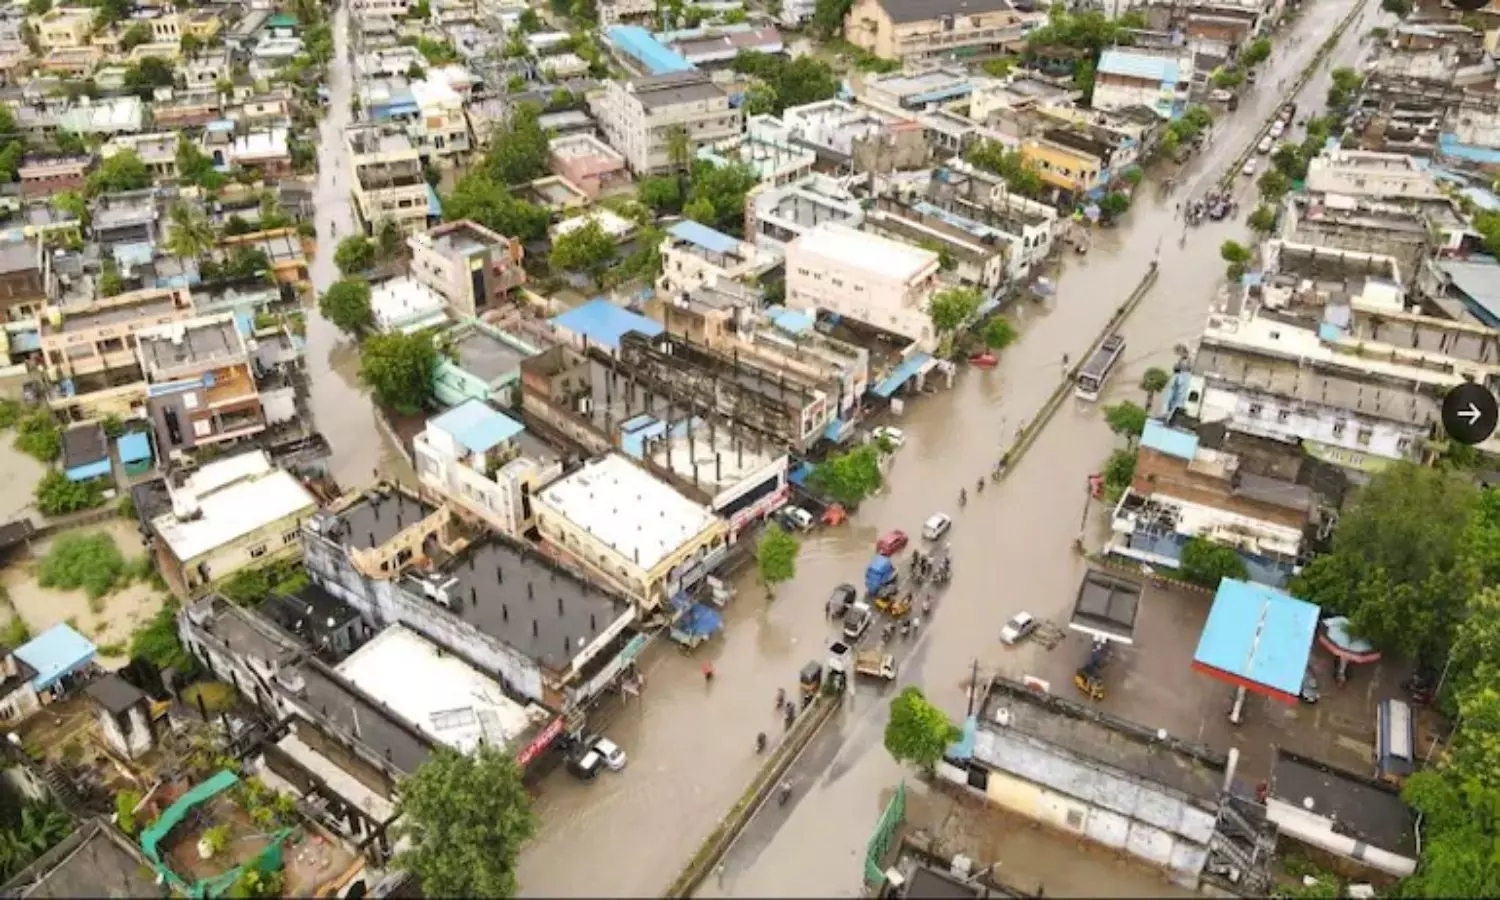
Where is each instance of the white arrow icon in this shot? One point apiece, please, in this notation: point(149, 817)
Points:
point(1472, 414)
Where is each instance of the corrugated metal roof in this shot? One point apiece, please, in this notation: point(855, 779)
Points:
point(1138, 65)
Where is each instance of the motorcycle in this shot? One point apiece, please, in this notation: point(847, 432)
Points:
point(760, 742)
point(963, 498)
point(786, 792)
point(886, 633)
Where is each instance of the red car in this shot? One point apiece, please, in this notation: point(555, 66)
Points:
point(893, 542)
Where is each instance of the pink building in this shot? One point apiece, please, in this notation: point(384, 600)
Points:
point(589, 163)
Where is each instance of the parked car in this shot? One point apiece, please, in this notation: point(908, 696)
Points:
point(1277, 128)
point(1248, 168)
point(613, 755)
point(892, 543)
point(842, 598)
point(1018, 628)
point(936, 526)
point(895, 436)
point(1220, 95)
point(794, 518)
point(1265, 145)
point(586, 766)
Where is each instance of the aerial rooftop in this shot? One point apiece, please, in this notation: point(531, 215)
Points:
point(623, 506)
point(227, 499)
point(377, 516)
point(857, 249)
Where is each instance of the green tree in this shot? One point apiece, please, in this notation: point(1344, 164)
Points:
point(1020, 175)
point(662, 195)
point(1207, 563)
point(1258, 52)
point(189, 233)
point(1273, 185)
point(57, 496)
point(1153, 381)
point(346, 304)
point(1290, 161)
point(721, 189)
point(952, 307)
point(484, 199)
point(150, 73)
point(1399, 8)
point(137, 34)
point(849, 477)
point(828, 17)
point(1228, 78)
point(776, 557)
point(1345, 86)
point(123, 171)
point(587, 249)
point(999, 333)
point(791, 82)
point(389, 239)
point(465, 817)
point(38, 7)
point(355, 254)
point(38, 436)
point(1127, 419)
point(518, 149)
point(999, 67)
point(1263, 219)
point(91, 562)
point(1237, 255)
point(191, 45)
point(530, 22)
point(158, 642)
point(917, 731)
point(1119, 471)
point(398, 369)
point(196, 167)
point(1403, 564)
point(1115, 204)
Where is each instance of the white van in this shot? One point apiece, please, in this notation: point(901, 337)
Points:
point(937, 526)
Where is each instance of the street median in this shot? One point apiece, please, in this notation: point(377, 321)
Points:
point(718, 842)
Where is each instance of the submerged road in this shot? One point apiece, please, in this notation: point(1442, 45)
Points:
point(341, 408)
point(691, 744)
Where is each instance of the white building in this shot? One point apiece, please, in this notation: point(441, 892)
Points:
point(640, 116)
point(469, 456)
point(693, 255)
point(1157, 81)
point(444, 697)
point(630, 529)
point(1371, 174)
point(864, 277)
point(776, 216)
point(441, 129)
point(613, 224)
point(612, 12)
point(406, 305)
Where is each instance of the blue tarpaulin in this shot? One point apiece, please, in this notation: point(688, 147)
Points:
point(88, 471)
point(901, 375)
point(55, 653)
point(695, 619)
point(962, 749)
point(798, 474)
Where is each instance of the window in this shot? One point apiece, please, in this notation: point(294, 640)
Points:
point(1283, 415)
point(257, 551)
point(1256, 409)
point(289, 537)
point(1364, 435)
point(190, 400)
point(1338, 428)
point(1403, 445)
point(202, 428)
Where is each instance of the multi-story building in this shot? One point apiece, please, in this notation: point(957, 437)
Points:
point(613, 12)
point(381, 9)
point(776, 216)
point(64, 27)
point(157, 150)
point(1157, 80)
point(976, 195)
point(472, 267)
point(440, 128)
point(933, 29)
point(631, 530)
point(43, 176)
point(229, 515)
point(588, 162)
point(693, 255)
point(1072, 164)
point(642, 117)
point(976, 253)
point(1371, 175)
point(766, 148)
point(389, 182)
point(23, 287)
point(470, 457)
point(865, 277)
point(89, 351)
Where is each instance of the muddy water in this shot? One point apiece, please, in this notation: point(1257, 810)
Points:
point(692, 744)
point(340, 407)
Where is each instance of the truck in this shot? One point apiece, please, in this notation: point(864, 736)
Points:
point(875, 664)
point(880, 576)
point(1096, 370)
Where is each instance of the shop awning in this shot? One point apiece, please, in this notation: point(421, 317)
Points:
point(903, 373)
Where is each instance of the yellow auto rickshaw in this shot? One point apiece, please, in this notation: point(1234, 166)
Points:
point(894, 606)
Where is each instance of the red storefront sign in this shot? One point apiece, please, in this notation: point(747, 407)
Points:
point(542, 742)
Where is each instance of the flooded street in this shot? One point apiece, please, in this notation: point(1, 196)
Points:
point(341, 410)
point(692, 744)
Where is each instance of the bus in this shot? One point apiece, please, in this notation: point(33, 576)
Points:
point(1395, 741)
point(1096, 371)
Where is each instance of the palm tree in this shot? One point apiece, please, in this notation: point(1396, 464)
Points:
point(1153, 382)
point(189, 233)
point(679, 154)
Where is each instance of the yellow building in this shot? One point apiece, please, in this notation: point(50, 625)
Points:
point(64, 28)
point(631, 530)
point(1067, 161)
point(233, 514)
point(932, 29)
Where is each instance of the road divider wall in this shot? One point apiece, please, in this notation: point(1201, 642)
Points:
point(718, 842)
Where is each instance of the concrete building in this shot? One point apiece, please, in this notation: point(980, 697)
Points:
point(974, 195)
point(1157, 80)
point(23, 290)
point(848, 137)
point(1349, 816)
point(388, 179)
point(1073, 165)
point(930, 29)
point(471, 458)
point(694, 255)
point(589, 163)
point(631, 530)
point(483, 363)
point(933, 88)
point(440, 129)
point(776, 216)
point(88, 353)
point(639, 116)
point(229, 515)
point(407, 305)
point(64, 27)
point(1366, 174)
point(203, 386)
point(861, 276)
point(472, 267)
point(93, 860)
point(977, 253)
point(549, 635)
point(44, 176)
point(767, 149)
point(1341, 222)
point(613, 12)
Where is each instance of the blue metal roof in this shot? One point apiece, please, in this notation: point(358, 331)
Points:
point(478, 426)
point(943, 93)
point(705, 237)
point(638, 43)
point(791, 320)
point(1138, 65)
point(604, 324)
point(25, 341)
point(902, 374)
point(133, 447)
point(1448, 145)
point(1181, 444)
point(1259, 635)
point(89, 471)
point(55, 653)
point(434, 203)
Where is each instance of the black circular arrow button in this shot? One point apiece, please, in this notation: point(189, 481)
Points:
point(1470, 413)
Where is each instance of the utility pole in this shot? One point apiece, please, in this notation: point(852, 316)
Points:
point(973, 687)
